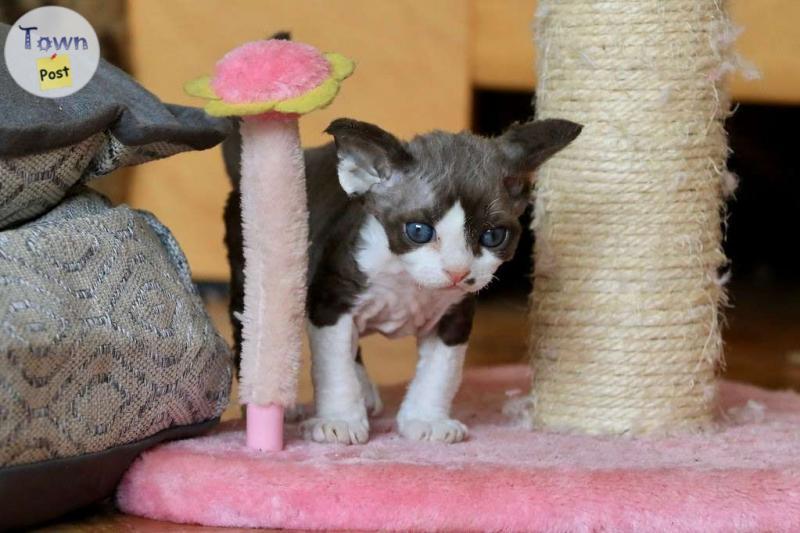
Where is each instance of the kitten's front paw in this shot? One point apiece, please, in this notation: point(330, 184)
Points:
point(444, 430)
point(341, 430)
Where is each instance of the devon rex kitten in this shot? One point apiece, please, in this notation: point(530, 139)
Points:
point(403, 234)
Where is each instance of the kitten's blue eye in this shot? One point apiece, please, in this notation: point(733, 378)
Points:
point(492, 238)
point(419, 232)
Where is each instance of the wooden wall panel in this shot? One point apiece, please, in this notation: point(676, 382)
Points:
point(502, 50)
point(417, 63)
point(504, 56)
point(771, 41)
point(412, 76)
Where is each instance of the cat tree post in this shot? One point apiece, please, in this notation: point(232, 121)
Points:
point(626, 328)
point(269, 84)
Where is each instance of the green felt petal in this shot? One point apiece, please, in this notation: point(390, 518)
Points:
point(200, 87)
point(341, 66)
point(218, 108)
point(317, 98)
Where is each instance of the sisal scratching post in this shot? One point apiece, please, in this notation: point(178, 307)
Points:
point(626, 328)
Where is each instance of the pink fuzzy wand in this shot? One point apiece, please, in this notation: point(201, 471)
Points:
point(270, 84)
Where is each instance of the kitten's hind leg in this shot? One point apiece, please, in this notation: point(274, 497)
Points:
point(295, 414)
point(372, 398)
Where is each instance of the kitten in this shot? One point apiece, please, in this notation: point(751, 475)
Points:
point(403, 234)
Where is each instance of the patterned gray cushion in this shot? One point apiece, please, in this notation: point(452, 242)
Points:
point(105, 345)
point(31, 184)
point(103, 337)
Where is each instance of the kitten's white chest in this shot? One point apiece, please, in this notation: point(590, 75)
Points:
point(396, 307)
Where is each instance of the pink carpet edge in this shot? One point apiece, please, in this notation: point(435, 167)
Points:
point(672, 484)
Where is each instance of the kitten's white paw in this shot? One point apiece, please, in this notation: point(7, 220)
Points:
point(444, 430)
point(342, 430)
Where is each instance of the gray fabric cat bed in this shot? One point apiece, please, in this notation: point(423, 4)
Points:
point(105, 346)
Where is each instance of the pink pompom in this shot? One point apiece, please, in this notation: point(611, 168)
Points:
point(268, 71)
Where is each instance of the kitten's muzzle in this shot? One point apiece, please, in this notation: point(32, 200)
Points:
point(457, 276)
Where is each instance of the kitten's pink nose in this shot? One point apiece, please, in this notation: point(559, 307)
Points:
point(457, 275)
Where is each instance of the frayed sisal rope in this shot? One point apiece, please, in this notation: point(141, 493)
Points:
point(626, 322)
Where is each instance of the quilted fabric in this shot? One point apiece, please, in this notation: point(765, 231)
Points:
point(103, 337)
point(31, 184)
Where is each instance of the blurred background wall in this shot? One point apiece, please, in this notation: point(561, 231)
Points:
point(424, 64)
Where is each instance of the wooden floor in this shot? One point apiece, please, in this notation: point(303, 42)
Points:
point(762, 347)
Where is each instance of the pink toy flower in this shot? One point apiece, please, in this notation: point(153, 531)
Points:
point(272, 75)
point(269, 70)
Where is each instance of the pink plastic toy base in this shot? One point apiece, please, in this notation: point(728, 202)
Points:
point(745, 476)
point(265, 427)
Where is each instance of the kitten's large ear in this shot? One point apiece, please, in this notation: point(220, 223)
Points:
point(367, 154)
point(532, 143)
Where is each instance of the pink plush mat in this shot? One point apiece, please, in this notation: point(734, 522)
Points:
point(743, 477)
